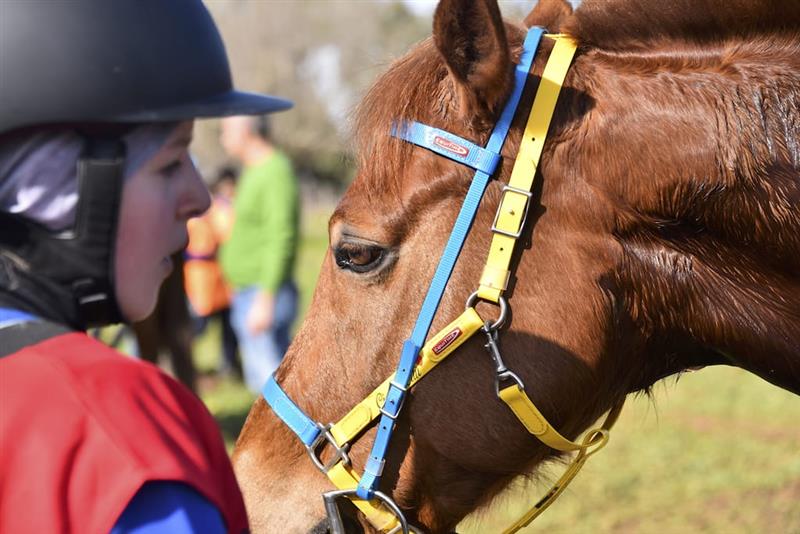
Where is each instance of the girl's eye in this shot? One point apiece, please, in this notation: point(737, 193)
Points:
point(171, 168)
point(358, 258)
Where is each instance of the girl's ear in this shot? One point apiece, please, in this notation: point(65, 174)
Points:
point(472, 40)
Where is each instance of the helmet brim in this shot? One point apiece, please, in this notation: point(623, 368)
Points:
point(223, 105)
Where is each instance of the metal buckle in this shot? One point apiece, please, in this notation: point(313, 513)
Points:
point(528, 195)
point(402, 401)
point(325, 435)
point(336, 525)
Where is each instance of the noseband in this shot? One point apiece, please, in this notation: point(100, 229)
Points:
point(419, 357)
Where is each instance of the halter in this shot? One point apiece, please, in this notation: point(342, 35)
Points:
point(419, 357)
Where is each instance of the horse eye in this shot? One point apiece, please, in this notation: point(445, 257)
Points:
point(358, 258)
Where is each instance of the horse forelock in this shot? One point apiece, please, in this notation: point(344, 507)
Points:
point(416, 87)
point(408, 90)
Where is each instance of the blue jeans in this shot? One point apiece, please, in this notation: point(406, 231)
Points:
point(261, 353)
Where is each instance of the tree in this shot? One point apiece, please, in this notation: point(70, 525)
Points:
point(320, 55)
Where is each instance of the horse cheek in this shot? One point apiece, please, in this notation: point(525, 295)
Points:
point(275, 476)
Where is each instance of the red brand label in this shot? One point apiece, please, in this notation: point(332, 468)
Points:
point(446, 341)
point(450, 146)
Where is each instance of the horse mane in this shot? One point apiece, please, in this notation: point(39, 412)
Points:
point(639, 24)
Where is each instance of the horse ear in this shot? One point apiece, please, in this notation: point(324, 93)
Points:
point(550, 14)
point(472, 40)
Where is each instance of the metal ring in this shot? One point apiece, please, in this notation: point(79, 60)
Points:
point(335, 518)
point(473, 299)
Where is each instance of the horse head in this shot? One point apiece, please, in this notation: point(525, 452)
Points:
point(663, 233)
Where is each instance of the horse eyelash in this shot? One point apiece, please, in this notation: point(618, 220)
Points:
point(344, 263)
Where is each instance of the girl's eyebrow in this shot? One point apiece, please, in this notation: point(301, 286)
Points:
point(183, 140)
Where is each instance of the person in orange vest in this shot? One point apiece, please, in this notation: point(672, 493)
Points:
point(208, 293)
point(96, 186)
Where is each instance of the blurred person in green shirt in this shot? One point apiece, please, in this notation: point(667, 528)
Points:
point(258, 258)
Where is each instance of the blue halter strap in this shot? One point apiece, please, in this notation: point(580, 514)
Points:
point(485, 162)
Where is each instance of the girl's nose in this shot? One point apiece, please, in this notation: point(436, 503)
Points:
point(195, 199)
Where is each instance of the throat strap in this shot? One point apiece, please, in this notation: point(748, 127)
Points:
point(515, 202)
point(592, 442)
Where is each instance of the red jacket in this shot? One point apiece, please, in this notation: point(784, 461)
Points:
point(83, 427)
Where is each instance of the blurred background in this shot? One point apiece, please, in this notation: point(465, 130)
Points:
point(714, 451)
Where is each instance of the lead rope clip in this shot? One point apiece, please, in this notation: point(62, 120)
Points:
point(502, 373)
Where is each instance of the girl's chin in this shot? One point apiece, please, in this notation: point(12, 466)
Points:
point(138, 311)
point(166, 265)
point(137, 306)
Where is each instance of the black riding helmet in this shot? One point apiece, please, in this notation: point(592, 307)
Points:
point(119, 61)
point(99, 66)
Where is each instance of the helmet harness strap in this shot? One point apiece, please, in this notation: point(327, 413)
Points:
point(68, 276)
point(100, 182)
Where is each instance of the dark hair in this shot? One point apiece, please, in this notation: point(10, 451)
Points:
point(262, 126)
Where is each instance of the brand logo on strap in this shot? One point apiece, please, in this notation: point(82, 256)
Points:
point(447, 340)
point(451, 146)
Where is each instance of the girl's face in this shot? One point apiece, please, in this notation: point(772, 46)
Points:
point(156, 203)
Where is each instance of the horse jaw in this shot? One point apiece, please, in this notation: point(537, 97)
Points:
point(276, 477)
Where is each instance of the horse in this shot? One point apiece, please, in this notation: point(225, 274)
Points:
point(663, 235)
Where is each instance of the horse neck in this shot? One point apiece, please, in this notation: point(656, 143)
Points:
point(698, 153)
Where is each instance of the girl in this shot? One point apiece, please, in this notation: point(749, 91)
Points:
point(97, 101)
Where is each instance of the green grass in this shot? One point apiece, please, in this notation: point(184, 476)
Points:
point(717, 451)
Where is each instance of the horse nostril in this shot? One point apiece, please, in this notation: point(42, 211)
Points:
point(320, 528)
